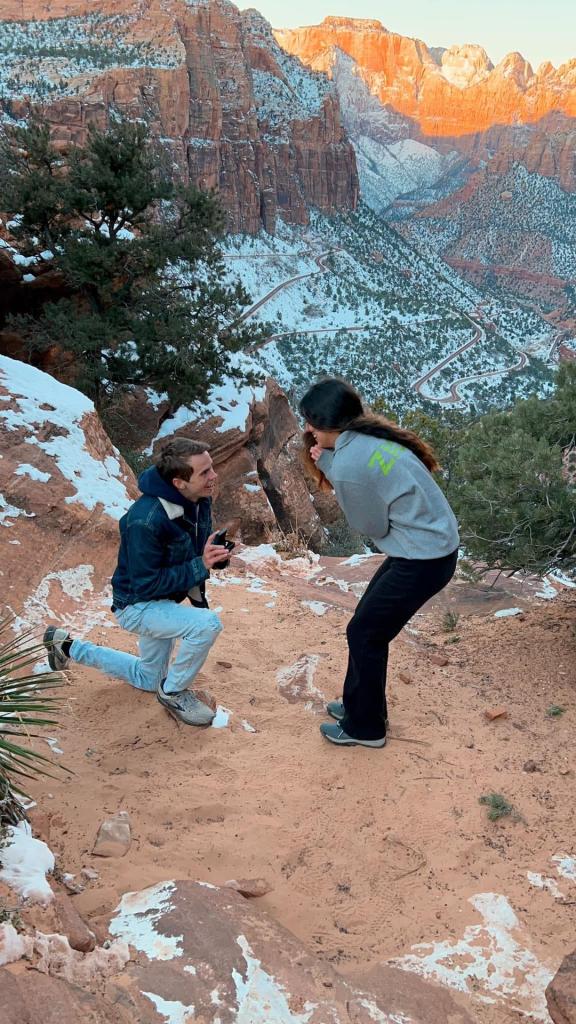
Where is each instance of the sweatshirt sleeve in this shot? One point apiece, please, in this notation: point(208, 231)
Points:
point(145, 551)
point(325, 462)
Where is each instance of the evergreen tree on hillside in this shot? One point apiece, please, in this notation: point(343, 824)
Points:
point(144, 296)
point(511, 486)
point(510, 477)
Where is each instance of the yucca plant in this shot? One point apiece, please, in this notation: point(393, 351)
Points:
point(25, 705)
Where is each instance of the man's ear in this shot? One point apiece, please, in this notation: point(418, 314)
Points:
point(177, 483)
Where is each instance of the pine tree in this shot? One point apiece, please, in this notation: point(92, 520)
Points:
point(511, 487)
point(144, 299)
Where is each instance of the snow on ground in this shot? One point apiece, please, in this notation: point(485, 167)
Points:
point(40, 399)
point(228, 401)
point(492, 958)
point(25, 863)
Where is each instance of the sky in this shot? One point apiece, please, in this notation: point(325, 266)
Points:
point(539, 29)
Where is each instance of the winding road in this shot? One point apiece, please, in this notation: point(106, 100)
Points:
point(453, 397)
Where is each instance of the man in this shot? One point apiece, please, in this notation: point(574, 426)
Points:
point(166, 553)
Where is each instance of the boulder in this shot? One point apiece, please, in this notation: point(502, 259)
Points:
point(561, 992)
point(113, 839)
point(250, 887)
point(208, 952)
point(64, 487)
point(31, 997)
point(254, 440)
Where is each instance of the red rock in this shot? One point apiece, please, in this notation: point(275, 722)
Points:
point(493, 713)
point(72, 926)
point(204, 108)
point(407, 76)
point(561, 992)
point(225, 942)
point(32, 997)
point(113, 839)
point(250, 887)
point(438, 659)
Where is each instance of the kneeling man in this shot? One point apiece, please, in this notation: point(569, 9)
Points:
point(166, 553)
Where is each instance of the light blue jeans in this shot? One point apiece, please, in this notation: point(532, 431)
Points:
point(159, 624)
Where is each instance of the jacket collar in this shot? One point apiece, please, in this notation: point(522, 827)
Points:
point(171, 509)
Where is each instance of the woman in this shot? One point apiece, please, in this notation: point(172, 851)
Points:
point(382, 476)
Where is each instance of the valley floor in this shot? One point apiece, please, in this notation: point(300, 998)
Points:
point(369, 853)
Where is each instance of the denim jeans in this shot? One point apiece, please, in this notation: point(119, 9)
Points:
point(159, 624)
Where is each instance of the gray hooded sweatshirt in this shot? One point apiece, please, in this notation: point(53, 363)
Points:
point(386, 492)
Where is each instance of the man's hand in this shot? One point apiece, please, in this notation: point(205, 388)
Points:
point(213, 553)
point(316, 452)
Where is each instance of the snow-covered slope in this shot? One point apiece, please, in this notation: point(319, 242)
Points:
point(351, 296)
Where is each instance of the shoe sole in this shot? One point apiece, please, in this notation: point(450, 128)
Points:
point(378, 744)
point(53, 657)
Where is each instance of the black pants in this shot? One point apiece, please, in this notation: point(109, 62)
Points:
point(397, 590)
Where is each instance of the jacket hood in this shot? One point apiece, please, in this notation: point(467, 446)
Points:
point(151, 483)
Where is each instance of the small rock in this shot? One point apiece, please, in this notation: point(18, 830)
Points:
point(113, 839)
point(493, 713)
point(224, 664)
point(250, 887)
point(90, 874)
point(531, 766)
point(404, 677)
point(72, 926)
point(72, 886)
point(438, 659)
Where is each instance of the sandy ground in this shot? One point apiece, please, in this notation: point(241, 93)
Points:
point(369, 852)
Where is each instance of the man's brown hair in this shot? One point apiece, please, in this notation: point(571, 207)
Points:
point(173, 459)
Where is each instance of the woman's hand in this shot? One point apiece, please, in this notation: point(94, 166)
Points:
point(315, 452)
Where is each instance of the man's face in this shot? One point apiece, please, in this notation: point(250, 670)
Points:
point(201, 483)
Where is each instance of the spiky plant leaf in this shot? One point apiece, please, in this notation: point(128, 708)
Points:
point(26, 703)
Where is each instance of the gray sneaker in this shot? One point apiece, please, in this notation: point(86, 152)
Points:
point(53, 639)
point(186, 707)
point(335, 708)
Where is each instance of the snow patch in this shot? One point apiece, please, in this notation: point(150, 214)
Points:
point(74, 583)
point(172, 1010)
point(296, 681)
point(316, 606)
point(25, 862)
point(540, 882)
point(565, 866)
point(93, 479)
point(261, 999)
point(488, 956)
point(136, 917)
point(35, 474)
point(8, 511)
point(13, 945)
point(505, 613)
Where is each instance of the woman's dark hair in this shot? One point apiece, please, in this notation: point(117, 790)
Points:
point(333, 404)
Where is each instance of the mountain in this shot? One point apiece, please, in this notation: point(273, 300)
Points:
point(231, 109)
point(473, 160)
point(446, 92)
